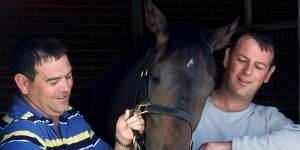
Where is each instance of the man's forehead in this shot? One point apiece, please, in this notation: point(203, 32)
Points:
point(53, 67)
point(246, 40)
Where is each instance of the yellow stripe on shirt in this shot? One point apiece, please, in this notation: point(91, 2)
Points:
point(24, 133)
point(27, 115)
point(7, 119)
point(71, 140)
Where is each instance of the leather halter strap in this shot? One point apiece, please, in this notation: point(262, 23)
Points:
point(159, 109)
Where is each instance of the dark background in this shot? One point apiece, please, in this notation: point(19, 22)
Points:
point(98, 34)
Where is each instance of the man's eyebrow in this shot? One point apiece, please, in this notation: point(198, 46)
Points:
point(70, 72)
point(261, 63)
point(57, 78)
point(241, 55)
point(53, 78)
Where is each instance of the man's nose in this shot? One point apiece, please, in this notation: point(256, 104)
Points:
point(66, 86)
point(248, 68)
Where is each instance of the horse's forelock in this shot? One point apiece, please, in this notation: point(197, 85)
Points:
point(186, 40)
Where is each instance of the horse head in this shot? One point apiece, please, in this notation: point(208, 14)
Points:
point(181, 77)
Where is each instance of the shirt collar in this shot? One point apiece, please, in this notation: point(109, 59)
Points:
point(21, 106)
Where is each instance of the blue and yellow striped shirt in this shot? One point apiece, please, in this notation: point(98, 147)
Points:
point(25, 128)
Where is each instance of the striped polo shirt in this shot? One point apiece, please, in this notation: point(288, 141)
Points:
point(25, 128)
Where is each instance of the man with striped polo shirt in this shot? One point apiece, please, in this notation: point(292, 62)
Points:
point(41, 117)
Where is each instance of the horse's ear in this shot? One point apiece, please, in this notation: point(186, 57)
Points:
point(220, 37)
point(156, 23)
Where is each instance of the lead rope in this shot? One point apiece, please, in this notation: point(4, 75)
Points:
point(138, 139)
point(141, 108)
point(136, 145)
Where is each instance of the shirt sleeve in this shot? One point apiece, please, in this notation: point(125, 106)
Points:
point(21, 134)
point(283, 135)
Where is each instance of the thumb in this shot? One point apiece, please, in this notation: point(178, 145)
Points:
point(127, 114)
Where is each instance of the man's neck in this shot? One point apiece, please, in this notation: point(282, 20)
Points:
point(227, 102)
point(55, 119)
point(56, 122)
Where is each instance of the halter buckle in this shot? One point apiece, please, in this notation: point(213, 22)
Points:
point(144, 73)
point(141, 109)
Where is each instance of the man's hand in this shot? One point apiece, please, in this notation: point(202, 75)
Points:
point(124, 128)
point(216, 146)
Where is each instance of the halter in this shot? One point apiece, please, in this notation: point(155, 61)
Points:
point(145, 106)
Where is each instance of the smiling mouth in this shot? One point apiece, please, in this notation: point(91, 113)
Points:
point(63, 99)
point(244, 82)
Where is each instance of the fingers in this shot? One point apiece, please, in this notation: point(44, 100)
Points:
point(125, 125)
point(135, 118)
point(139, 128)
point(136, 123)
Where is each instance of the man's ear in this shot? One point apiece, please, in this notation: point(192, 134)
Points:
point(270, 72)
point(226, 57)
point(22, 82)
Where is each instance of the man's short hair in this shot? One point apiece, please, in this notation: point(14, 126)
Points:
point(32, 51)
point(261, 36)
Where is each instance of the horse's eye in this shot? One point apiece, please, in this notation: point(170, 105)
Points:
point(155, 76)
point(156, 80)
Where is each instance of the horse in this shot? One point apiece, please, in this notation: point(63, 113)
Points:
point(178, 73)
